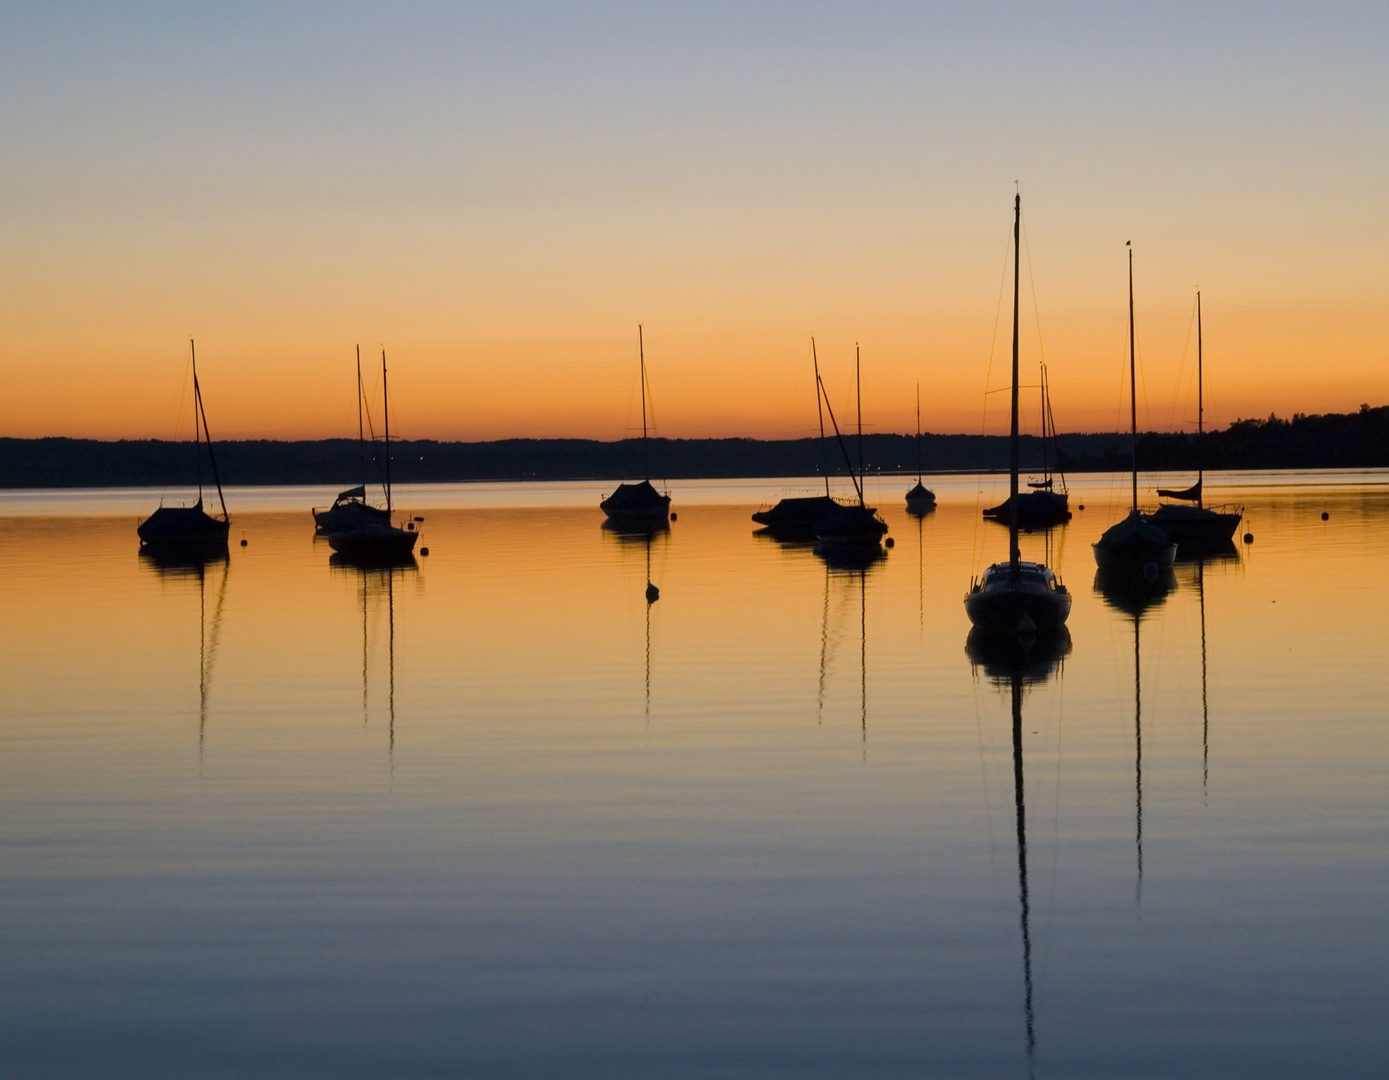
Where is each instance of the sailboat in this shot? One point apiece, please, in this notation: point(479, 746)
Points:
point(1018, 663)
point(1134, 543)
point(796, 516)
point(1196, 526)
point(1016, 597)
point(176, 529)
point(638, 504)
point(1046, 502)
point(853, 526)
point(350, 510)
point(379, 542)
point(920, 499)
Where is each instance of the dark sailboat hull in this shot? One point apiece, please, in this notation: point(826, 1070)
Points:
point(796, 516)
point(1196, 526)
point(345, 516)
point(636, 504)
point(1035, 509)
point(1134, 544)
point(183, 529)
point(920, 499)
point(380, 545)
point(1007, 607)
point(850, 527)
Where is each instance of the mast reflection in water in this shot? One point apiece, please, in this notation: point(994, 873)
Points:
point(184, 565)
point(1016, 663)
point(376, 584)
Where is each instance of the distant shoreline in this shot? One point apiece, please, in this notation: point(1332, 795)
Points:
point(1332, 441)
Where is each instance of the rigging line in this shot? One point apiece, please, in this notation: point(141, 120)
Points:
point(1032, 283)
point(1182, 374)
point(178, 414)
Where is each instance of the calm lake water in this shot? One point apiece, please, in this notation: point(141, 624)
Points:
point(496, 816)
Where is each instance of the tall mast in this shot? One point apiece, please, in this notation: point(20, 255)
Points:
point(361, 433)
point(820, 408)
point(918, 433)
point(1046, 457)
point(1133, 388)
point(858, 394)
point(1200, 408)
point(645, 446)
point(1013, 554)
point(197, 453)
point(386, 408)
point(211, 455)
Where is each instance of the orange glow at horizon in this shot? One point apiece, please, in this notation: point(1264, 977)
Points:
point(502, 218)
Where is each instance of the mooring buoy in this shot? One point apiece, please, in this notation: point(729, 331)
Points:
point(1248, 538)
point(889, 542)
point(424, 551)
point(652, 593)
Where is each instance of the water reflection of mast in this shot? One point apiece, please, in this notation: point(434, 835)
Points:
point(1205, 713)
point(1024, 906)
point(207, 653)
point(1017, 663)
point(863, 651)
point(824, 649)
point(1138, 757)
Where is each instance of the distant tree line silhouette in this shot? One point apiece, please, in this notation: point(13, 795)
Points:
point(1352, 440)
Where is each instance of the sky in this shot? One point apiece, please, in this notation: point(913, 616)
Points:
point(497, 194)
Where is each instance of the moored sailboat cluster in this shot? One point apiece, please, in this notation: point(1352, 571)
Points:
point(1012, 597)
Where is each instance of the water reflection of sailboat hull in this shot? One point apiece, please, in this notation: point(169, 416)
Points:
point(635, 532)
point(1032, 658)
point(1131, 593)
point(348, 551)
point(850, 556)
point(1213, 552)
point(183, 562)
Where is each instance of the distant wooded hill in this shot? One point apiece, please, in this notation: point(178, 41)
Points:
point(1353, 440)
